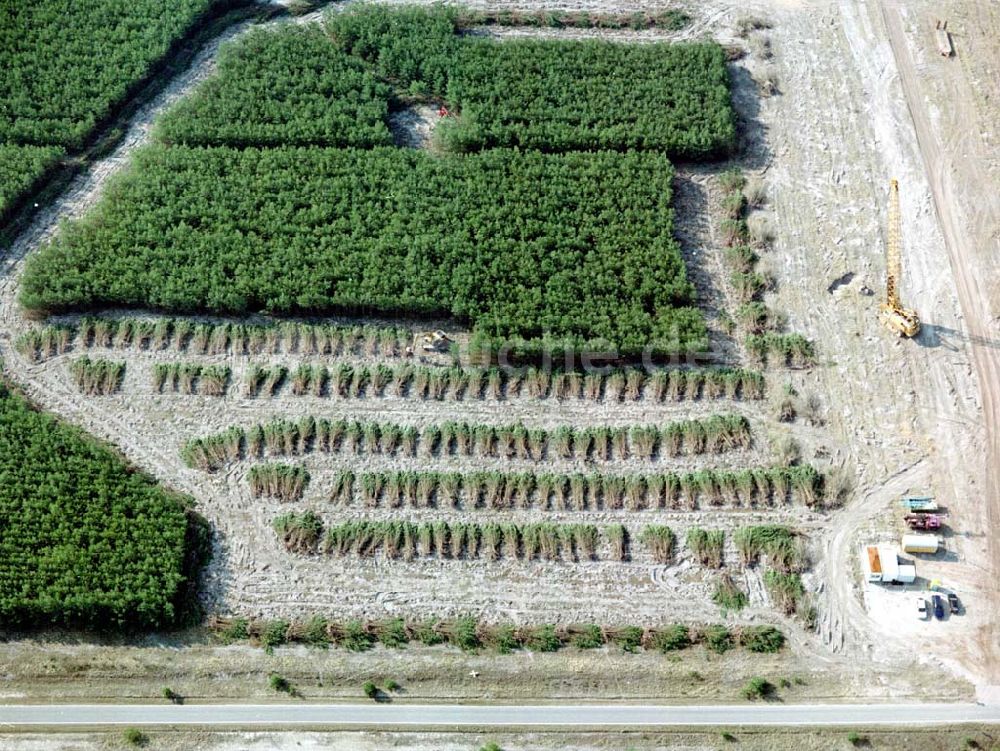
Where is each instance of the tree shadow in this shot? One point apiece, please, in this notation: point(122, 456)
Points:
point(752, 150)
point(693, 234)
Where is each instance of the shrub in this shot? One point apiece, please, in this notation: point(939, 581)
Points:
point(757, 688)
point(504, 639)
point(370, 690)
point(671, 638)
point(706, 546)
point(355, 637)
point(392, 633)
point(465, 634)
point(718, 639)
point(590, 637)
point(785, 589)
point(284, 482)
point(274, 634)
point(279, 683)
point(728, 596)
point(763, 639)
point(543, 639)
point(660, 541)
point(316, 633)
point(300, 532)
point(97, 377)
point(237, 630)
point(629, 638)
point(134, 737)
point(393, 686)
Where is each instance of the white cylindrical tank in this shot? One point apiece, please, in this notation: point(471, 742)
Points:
point(920, 543)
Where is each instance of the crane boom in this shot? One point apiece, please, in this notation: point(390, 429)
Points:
point(899, 319)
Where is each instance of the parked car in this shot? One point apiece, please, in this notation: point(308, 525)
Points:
point(922, 609)
point(953, 603)
point(938, 602)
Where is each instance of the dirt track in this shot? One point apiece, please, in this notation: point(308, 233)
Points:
point(913, 411)
point(954, 166)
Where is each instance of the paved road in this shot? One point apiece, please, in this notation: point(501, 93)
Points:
point(427, 716)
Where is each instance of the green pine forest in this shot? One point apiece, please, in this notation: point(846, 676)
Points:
point(87, 540)
point(543, 214)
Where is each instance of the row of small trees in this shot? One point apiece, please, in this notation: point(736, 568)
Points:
point(282, 481)
point(497, 490)
point(348, 380)
point(471, 634)
point(197, 338)
point(191, 378)
point(714, 434)
point(97, 377)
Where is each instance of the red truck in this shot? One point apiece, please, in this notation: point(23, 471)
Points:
point(923, 521)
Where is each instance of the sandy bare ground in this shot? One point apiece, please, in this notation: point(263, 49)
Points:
point(705, 740)
point(913, 412)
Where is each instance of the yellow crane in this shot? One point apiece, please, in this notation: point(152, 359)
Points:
point(899, 319)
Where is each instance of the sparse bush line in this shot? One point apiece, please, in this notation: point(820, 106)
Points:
point(781, 349)
point(706, 546)
point(402, 379)
point(580, 492)
point(48, 341)
point(786, 558)
point(300, 533)
point(286, 482)
point(97, 377)
point(187, 336)
point(672, 20)
point(471, 383)
point(470, 634)
point(742, 243)
point(191, 378)
point(717, 434)
point(305, 533)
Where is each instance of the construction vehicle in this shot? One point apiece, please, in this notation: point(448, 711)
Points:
point(920, 504)
point(897, 318)
point(923, 521)
point(433, 341)
point(943, 38)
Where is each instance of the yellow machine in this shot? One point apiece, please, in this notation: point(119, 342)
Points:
point(899, 319)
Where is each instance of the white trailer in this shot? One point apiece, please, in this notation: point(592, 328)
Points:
point(881, 564)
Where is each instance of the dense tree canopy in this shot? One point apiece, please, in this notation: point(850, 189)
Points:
point(547, 94)
point(578, 245)
point(66, 64)
point(20, 168)
point(285, 87)
point(87, 541)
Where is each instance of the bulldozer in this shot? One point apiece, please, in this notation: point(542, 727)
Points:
point(431, 341)
point(903, 321)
